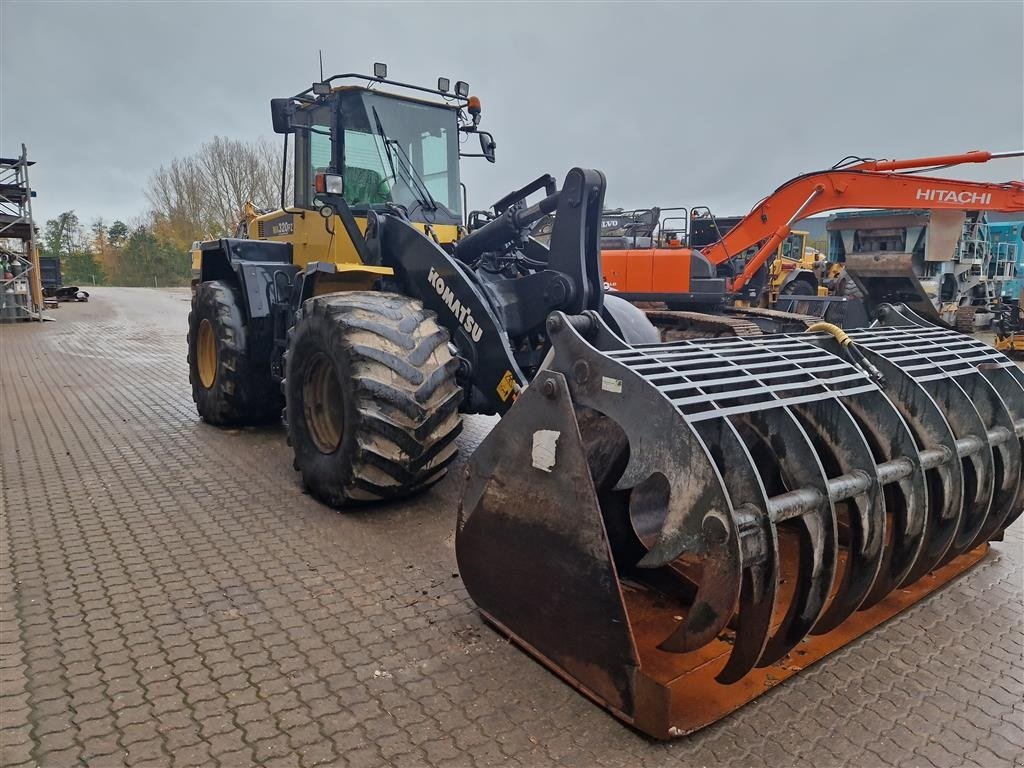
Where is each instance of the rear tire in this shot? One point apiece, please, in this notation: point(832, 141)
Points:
point(372, 403)
point(229, 389)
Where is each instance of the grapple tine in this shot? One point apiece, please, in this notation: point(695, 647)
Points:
point(758, 547)
point(979, 472)
point(856, 488)
point(711, 540)
point(1005, 448)
point(791, 469)
point(759, 538)
point(926, 507)
point(1009, 384)
point(679, 504)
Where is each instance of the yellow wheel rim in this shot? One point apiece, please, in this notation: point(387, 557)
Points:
point(206, 354)
point(322, 405)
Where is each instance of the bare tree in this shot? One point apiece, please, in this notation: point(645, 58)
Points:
point(202, 195)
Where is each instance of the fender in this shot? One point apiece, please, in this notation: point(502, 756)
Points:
point(800, 274)
point(321, 277)
point(263, 270)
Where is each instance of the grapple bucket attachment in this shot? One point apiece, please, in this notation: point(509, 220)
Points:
point(674, 528)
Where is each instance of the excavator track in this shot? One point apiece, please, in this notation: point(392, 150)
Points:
point(679, 326)
point(774, 320)
point(964, 319)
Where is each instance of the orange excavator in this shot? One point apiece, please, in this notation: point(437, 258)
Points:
point(701, 278)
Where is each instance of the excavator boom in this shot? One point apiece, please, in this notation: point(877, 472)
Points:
point(974, 156)
point(661, 273)
point(860, 186)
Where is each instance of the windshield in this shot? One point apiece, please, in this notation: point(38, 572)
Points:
point(402, 152)
point(792, 247)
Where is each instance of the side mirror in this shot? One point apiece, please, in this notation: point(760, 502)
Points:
point(281, 115)
point(487, 145)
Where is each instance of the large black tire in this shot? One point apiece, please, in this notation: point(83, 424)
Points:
point(372, 403)
point(845, 286)
point(230, 389)
point(799, 287)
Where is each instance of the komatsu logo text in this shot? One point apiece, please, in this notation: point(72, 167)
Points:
point(463, 314)
point(952, 196)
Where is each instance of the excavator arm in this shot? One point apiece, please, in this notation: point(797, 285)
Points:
point(866, 184)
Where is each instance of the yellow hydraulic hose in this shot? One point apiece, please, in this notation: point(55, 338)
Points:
point(856, 356)
point(841, 336)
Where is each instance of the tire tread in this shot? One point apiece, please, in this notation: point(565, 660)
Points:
point(404, 391)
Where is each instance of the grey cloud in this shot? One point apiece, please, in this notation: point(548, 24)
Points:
point(678, 103)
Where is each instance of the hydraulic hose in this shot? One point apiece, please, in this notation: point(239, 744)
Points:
point(852, 351)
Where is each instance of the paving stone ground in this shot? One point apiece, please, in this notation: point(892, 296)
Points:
point(171, 597)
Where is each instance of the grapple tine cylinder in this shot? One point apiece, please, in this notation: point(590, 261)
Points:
point(666, 525)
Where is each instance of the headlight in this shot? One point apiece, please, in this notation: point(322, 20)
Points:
point(330, 183)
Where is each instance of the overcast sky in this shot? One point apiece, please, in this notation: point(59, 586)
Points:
point(678, 104)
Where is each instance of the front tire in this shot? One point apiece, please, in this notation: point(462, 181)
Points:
point(372, 403)
point(228, 387)
point(798, 287)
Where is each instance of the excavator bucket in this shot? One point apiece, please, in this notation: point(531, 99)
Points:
point(674, 528)
point(891, 278)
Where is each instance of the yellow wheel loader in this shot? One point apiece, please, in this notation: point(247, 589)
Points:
point(367, 311)
point(672, 527)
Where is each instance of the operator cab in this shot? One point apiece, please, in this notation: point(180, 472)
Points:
point(381, 150)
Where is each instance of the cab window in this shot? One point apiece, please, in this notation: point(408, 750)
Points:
point(367, 182)
point(434, 151)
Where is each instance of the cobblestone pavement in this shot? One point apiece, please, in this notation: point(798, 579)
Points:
point(170, 596)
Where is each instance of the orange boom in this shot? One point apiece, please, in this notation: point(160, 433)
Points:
point(687, 274)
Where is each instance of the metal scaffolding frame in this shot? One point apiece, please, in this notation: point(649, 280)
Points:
point(21, 294)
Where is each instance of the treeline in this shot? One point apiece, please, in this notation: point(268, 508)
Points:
point(197, 197)
point(113, 254)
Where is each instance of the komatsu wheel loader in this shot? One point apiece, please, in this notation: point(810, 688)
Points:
point(369, 306)
point(671, 527)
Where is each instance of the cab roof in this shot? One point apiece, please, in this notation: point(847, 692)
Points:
point(368, 82)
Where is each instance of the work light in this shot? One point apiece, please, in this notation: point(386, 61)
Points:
point(329, 183)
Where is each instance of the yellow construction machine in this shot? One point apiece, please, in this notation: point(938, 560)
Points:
point(672, 527)
point(1009, 326)
point(796, 270)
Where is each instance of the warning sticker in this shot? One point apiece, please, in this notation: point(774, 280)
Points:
point(545, 441)
point(608, 384)
point(506, 386)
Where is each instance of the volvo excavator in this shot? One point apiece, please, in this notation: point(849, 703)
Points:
point(670, 527)
point(719, 273)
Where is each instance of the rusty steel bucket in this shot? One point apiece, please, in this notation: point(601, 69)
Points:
point(674, 528)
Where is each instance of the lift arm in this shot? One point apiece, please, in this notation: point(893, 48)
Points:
point(867, 184)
